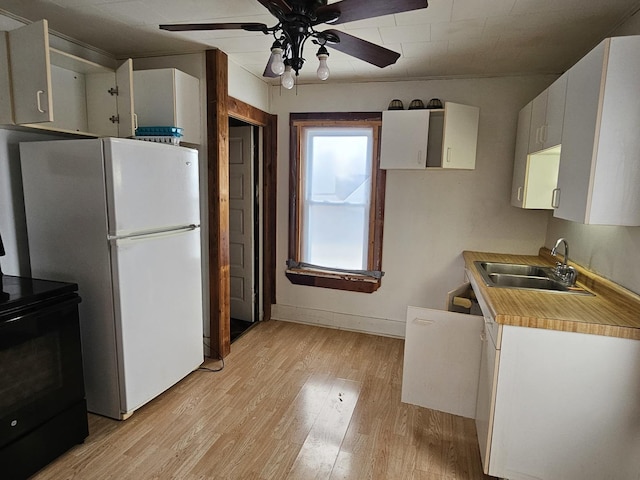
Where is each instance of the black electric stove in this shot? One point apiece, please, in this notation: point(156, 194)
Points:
point(19, 292)
point(42, 406)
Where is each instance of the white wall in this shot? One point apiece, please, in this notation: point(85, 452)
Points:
point(13, 225)
point(245, 86)
point(613, 252)
point(430, 216)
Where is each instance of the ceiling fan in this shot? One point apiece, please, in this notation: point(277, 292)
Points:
point(297, 20)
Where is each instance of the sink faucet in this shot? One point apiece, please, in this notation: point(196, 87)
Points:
point(566, 273)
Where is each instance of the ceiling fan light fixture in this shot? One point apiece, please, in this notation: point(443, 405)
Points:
point(297, 20)
point(323, 69)
point(287, 78)
point(276, 61)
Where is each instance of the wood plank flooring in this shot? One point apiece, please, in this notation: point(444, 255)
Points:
point(293, 402)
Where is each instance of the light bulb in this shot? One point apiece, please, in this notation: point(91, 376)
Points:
point(287, 78)
point(323, 69)
point(277, 64)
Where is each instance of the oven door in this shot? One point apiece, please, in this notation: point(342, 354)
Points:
point(40, 365)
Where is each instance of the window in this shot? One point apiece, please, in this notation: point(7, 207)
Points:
point(336, 201)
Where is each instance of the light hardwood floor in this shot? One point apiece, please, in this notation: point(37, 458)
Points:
point(293, 402)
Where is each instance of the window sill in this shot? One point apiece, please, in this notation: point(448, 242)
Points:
point(337, 281)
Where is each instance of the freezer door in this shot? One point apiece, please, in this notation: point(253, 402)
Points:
point(150, 186)
point(159, 315)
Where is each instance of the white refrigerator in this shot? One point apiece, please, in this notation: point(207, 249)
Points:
point(121, 218)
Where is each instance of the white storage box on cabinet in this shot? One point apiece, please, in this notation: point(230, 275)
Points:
point(442, 360)
point(168, 97)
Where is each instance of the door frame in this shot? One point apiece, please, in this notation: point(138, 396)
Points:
point(219, 108)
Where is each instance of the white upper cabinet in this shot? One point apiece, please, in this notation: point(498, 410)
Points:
point(57, 91)
point(534, 174)
point(547, 115)
point(418, 139)
point(168, 97)
point(599, 175)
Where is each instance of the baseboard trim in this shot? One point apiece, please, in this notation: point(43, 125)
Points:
point(341, 321)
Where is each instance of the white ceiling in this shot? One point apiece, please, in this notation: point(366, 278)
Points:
point(449, 38)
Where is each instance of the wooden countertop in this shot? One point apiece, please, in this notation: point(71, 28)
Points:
point(613, 311)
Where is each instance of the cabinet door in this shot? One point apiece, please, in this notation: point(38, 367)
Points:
point(6, 110)
point(460, 136)
point(615, 196)
point(582, 107)
point(520, 161)
point(566, 406)
point(441, 360)
point(124, 80)
point(538, 117)
point(187, 104)
point(31, 73)
point(552, 132)
point(486, 397)
point(404, 139)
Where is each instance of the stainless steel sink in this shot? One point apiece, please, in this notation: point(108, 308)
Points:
point(514, 269)
point(528, 277)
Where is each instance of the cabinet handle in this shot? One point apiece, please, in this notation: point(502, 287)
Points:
point(135, 121)
point(519, 193)
point(483, 337)
point(555, 198)
point(423, 321)
point(544, 132)
point(419, 159)
point(448, 154)
point(39, 102)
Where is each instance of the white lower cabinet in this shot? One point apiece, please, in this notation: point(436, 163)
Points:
point(557, 405)
point(442, 360)
point(567, 406)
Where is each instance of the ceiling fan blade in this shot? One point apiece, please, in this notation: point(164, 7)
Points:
point(276, 7)
point(351, 10)
point(362, 49)
point(184, 27)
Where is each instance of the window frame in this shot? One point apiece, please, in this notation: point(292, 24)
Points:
point(327, 278)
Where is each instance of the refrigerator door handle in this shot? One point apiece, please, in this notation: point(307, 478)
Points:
point(134, 236)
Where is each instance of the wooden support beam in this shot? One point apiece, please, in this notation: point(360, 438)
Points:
point(218, 201)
